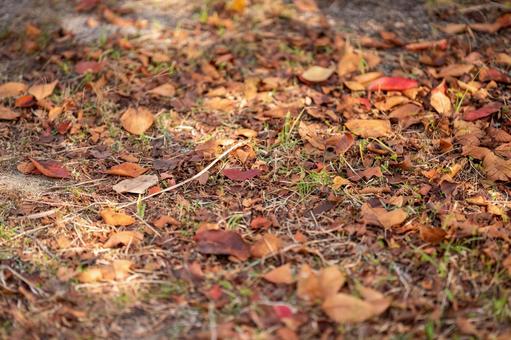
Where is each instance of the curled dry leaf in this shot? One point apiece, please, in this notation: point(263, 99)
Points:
point(118, 270)
point(240, 175)
point(439, 100)
point(165, 220)
point(165, 90)
point(221, 242)
point(330, 281)
point(280, 275)
point(392, 84)
point(12, 89)
point(483, 112)
point(8, 114)
point(42, 91)
point(126, 169)
point(260, 222)
point(369, 127)
point(124, 238)
point(51, 168)
point(268, 245)
point(317, 74)
point(425, 45)
point(137, 121)
point(381, 217)
point(489, 74)
point(112, 217)
point(137, 185)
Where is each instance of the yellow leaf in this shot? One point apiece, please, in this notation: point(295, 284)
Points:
point(114, 218)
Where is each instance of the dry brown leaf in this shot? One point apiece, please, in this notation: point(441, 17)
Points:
point(219, 104)
point(124, 238)
point(12, 89)
point(391, 102)
point(8, 114)
point(91, 274)
point(330, 281)
point(308, 287)
point(280, 275)
point(381, 217)
point(344, 308)
point(42, 91)
point(369, 127)
point(268, 245)
point(407, 115)
point(126, 169)
point(137, 185)
point(222, 242)
point(431, 234)
point(115, 218)
point(317, 74)
point(503, 59)
point(165, 90)
point(137, 121)
point(455, 70)
point(439, 100)
point(496, 168)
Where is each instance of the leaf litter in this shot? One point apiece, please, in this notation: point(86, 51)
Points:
point(282, 178)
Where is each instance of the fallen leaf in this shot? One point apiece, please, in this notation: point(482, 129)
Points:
point(165, 220)
point(91, 274)
point(453, 28)
point(488, 74)
point(330, 280)
point(439, 100)
point(317, 74)
point(25, 101)
point(8, 114)
point(112, 217)
point(51, 168)
point(137, 121)
point(165, 90)
point(124, 238)
point(240, 175)
point(431, 235)
point(137, 185)
point(280, 275)
point(455, 70)
point(482, 112)
point(89, 66)
point(369, 127)
point(391, 102)
point(496, 168)
point(268, 245)
point(392, 84)
point(344, 308)
point(260, 222)
point(407, 115)
point(308, 287)
point(426, 45)
point(237, 6)
point(221, 242)
point(381, 217)
point(126, 169)
point(503, 59)
point(338, 145)
point(43, 90)
point(12, 89)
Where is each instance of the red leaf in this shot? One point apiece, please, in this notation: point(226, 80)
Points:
point(221, 242)
point(487, 74)
point(51, 168)
point(240, 175)
point(25, 101)
point(392, 84)
point(483, 112)
point(283, 311)
point(88, 66)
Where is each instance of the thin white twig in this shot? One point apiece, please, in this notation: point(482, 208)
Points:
point(197, 175)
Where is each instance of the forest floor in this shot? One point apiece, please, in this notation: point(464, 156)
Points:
point(255, 169)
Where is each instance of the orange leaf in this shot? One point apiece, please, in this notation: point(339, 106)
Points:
point(165, 90)
point(280, 275)
point(381, 217)
point(51, 168)
point(126, 169)
point(439, 100)
point(137, 121)
point(114, 218)
point(124, 238)
point(25, 101)
point(268, 245)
